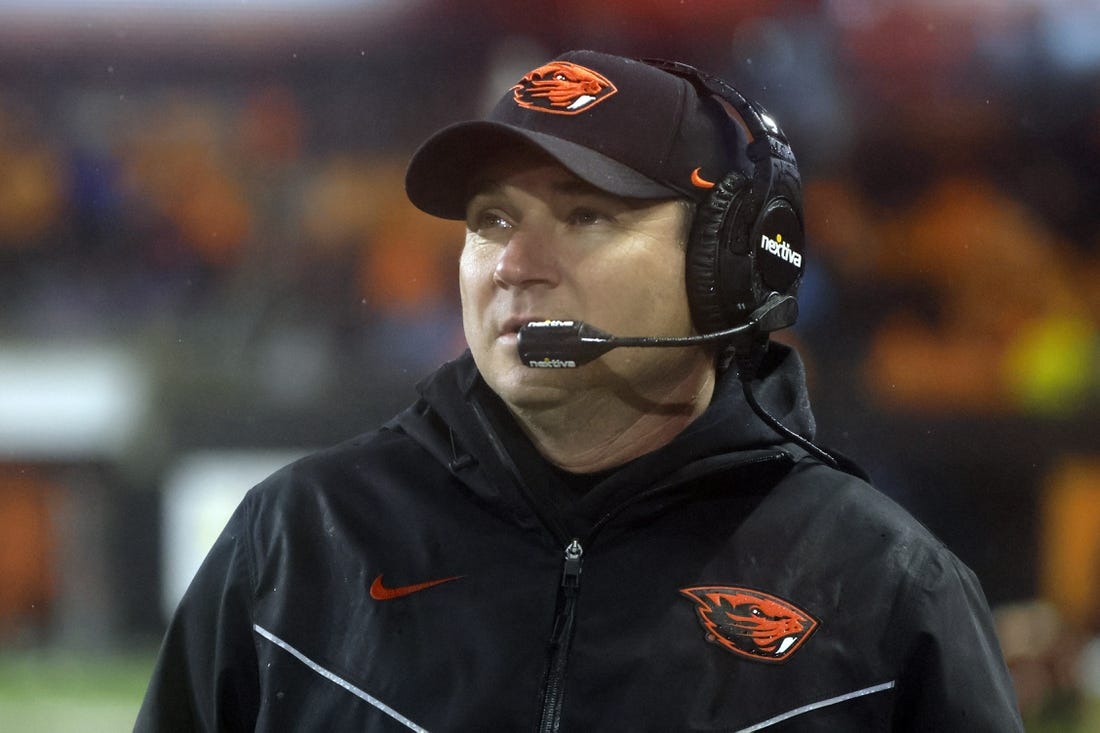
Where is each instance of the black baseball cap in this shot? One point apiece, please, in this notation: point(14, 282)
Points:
point(623, 125)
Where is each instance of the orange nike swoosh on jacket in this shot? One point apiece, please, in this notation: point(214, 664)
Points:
point(380, 592)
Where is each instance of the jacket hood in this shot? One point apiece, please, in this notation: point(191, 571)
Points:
point(456, 415)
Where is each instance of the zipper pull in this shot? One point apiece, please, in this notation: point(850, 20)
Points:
point(571, 574)
point(570, 584)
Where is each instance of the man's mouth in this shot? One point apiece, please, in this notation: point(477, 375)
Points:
point(512, 326)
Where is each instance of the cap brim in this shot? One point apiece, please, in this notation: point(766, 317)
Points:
point(439, 177)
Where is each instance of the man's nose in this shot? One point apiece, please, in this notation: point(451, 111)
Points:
point(529, 258)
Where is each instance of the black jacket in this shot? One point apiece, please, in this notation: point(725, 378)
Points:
point(437, 575)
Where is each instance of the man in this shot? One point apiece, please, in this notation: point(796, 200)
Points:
point(647, 541)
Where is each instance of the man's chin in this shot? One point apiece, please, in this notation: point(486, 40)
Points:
point(528, 388)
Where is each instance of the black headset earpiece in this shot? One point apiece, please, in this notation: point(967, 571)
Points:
point(747, 238)
point(747, 245)
point(711, 282)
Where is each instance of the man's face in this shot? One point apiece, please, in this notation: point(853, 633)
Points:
point(542, 244)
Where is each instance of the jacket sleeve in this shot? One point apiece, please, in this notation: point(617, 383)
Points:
point(205, 677)
point(955, 677)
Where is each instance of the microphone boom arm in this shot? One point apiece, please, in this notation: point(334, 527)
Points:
point(558, 344)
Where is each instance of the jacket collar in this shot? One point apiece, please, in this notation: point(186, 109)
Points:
point(472, 430)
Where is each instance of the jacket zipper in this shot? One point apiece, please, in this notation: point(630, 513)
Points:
point(562, 635)
point(560, 638)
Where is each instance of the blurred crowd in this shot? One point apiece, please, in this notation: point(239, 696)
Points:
point(238, 220)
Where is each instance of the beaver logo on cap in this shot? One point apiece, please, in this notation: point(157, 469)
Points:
point(562, 88)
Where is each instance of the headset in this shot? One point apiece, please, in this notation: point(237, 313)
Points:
point(744, 263)
point(745, 251)
point(747, 240)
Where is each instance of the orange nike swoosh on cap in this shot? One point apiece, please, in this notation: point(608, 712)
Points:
point(380, 592)
point(698, 181)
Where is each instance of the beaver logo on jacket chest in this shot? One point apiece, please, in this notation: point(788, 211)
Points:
point(751, 623)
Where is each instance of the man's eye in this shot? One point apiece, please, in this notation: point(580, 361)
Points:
point(488, 220)
point(586, 217)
